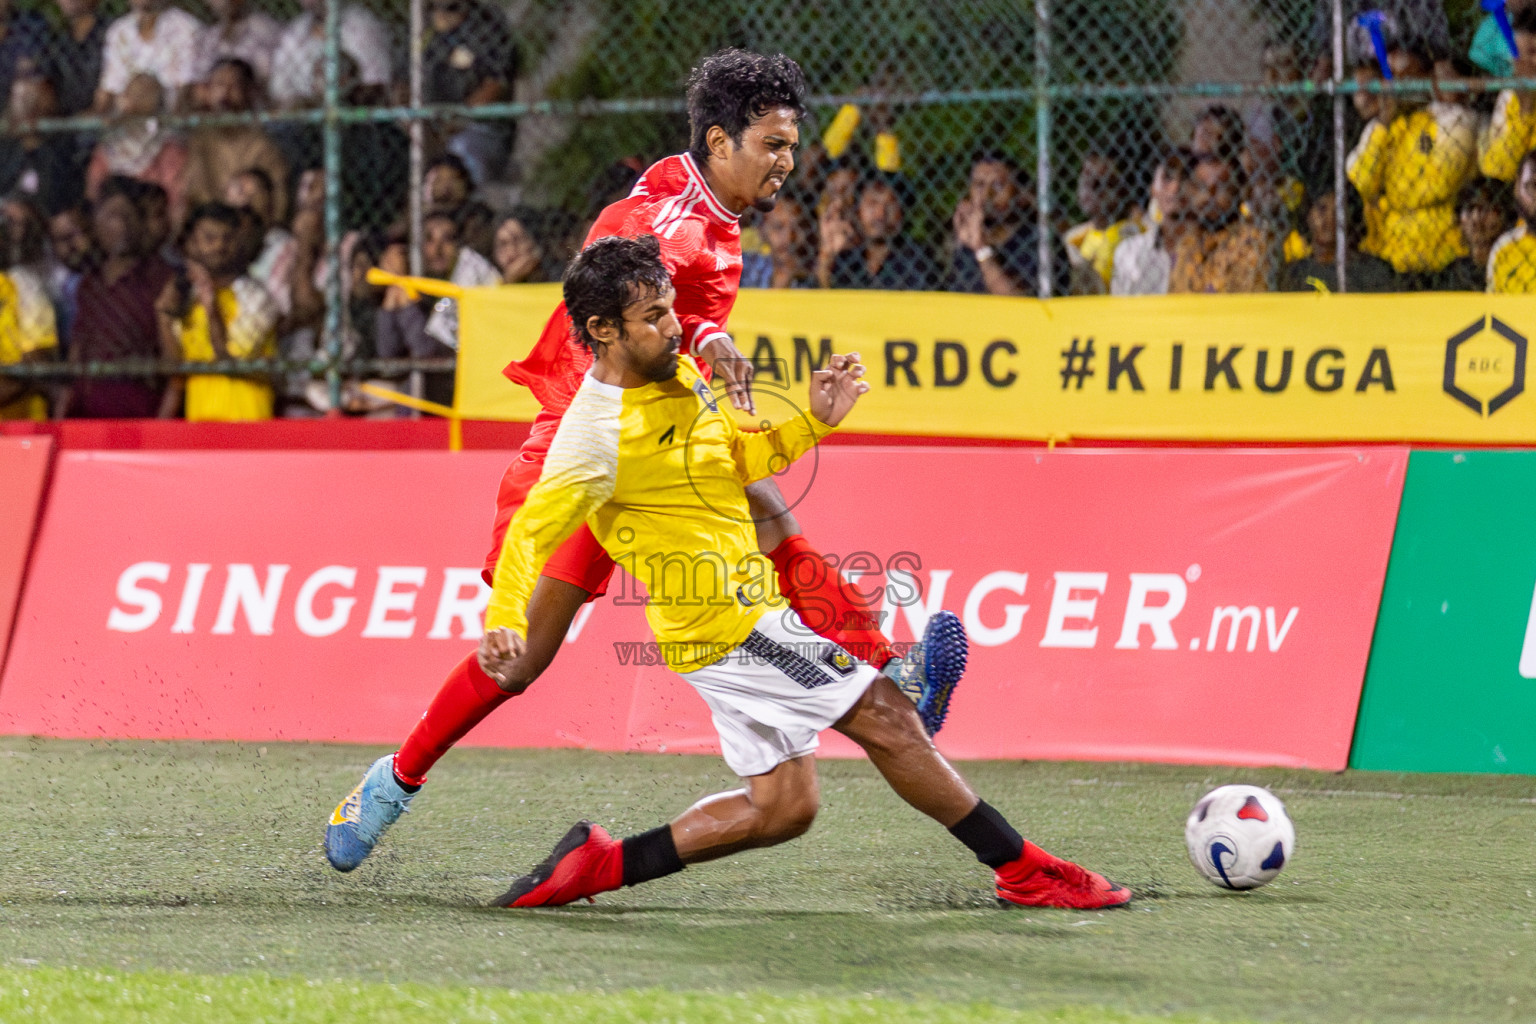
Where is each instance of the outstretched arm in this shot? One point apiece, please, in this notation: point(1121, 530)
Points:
point(579, 476)
point(833, 393)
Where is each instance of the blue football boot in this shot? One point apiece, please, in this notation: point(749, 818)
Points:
point(931, 670)
point(360, 819)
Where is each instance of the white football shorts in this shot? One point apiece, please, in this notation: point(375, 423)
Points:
point(772, 695)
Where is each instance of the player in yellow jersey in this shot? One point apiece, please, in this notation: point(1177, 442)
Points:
point(649, 461)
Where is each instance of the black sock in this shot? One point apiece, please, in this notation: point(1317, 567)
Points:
point(403, 784)
point(650, 855)
point(989, 836)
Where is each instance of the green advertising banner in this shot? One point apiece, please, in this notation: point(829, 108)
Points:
point(1451, 685)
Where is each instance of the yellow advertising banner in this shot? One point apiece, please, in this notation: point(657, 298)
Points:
point(1430, 367)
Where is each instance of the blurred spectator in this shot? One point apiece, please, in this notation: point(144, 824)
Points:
point(446, 185)
point(840, 187)
point(375, 157)
point(75, 51)
point(298, 66)
point(1277, 127)
point(1401, 20)
point(1412, 159)
point(271, 253)
point(42, 166)
point(1485, 210)
point(518, 250)
point(218, 313)
point(139, 146)
point(1512, 262)
point(240, 33)
point(471, 59)
point(1105, 199)
point(1512, 132)
point(997, 240)
point(477, 228)
point(879, 255)
point(28, 259)
point(1318, 271)
point(215, 154)
point(26, 336)
point(1223, 253)
point(1490, 50)
point(154, 38)
point(1144, 261)
point(1218, 132)
point(306, 287)
point(74, 252)
point(787, 264)
point(155, 209)
point(424, 329)
point(115, 310)
point(24, 38)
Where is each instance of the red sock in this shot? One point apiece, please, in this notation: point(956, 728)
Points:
point(466, 698)
point(827, 604)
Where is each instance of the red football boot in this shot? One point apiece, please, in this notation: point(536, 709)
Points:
point(1038, 879)
point(585, 862)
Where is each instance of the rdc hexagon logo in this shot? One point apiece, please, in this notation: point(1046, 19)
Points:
point(1485, 365)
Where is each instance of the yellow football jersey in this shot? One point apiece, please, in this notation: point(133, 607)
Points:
point(657, 473)
point(1412, 169)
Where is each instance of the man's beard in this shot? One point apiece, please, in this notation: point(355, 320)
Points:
point(767, 203)
point(663, 369)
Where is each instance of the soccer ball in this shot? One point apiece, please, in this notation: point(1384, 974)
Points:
point(1239, 837)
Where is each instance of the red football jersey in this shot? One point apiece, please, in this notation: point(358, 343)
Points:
point(701, 247)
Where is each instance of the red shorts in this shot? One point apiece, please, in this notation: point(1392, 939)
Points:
point(580, 561)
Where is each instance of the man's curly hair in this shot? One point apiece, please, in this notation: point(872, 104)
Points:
point(733, 88)
point(608, 275)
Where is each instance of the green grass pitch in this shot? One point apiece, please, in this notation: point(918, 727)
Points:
point(183, 881)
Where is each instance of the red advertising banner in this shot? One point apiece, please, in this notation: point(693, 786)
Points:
point(1201, 606)
point(23, 474)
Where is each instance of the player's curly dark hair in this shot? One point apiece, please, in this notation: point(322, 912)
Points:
point(608, 275)
point(732, 88)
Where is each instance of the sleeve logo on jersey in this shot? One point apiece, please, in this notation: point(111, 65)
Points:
point(705, 395)
point(839, 661)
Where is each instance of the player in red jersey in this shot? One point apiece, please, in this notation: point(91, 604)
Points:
point(744, 111)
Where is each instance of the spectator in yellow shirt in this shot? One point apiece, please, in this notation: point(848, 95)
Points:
point(1512, 264)
point(1411, 162)
point(23, 339)
point(217, 313)
point(1512, 132)
point(27, 335)
point(1105, 199)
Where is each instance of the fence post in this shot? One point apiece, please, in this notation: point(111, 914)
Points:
point(331, 140)
point(1043, 143)
point(1340, 184)
point(417, 383)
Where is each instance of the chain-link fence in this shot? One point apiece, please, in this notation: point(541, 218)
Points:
point(208, 183)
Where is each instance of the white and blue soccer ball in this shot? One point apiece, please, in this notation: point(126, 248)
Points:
point(1240, 837)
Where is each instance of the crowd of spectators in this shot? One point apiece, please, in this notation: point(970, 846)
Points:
point(139, 240)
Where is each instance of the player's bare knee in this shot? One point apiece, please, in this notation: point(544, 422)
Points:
point(889, 727)
point(790, 820)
